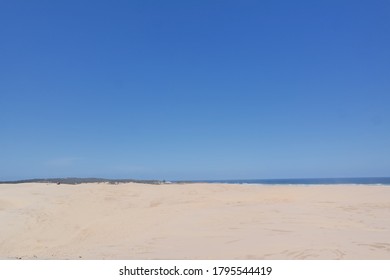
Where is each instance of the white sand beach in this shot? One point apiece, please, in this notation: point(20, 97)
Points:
point(193, 221)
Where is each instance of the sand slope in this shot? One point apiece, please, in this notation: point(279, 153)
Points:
point(194, 221)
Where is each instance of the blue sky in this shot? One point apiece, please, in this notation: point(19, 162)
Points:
point(194, 89)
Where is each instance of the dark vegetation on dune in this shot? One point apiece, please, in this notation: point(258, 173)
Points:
point(75, 181)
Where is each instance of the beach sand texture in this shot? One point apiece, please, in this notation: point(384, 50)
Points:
point(193, 221)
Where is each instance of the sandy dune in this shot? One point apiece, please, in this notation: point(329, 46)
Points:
point(194, 221)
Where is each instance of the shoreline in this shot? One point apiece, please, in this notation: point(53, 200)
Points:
point(291, 181)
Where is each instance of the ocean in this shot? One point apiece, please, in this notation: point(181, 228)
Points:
point(310, 181)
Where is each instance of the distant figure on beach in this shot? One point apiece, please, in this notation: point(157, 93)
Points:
point(58, 183)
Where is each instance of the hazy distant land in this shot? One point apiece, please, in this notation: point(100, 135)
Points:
point(76, 181)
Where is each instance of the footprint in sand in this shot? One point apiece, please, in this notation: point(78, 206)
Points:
point(155, 203)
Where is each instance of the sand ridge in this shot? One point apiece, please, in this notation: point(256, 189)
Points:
point(193, 221)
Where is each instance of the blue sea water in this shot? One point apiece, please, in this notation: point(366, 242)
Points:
point(311, 181)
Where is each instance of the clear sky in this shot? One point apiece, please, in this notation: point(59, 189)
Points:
point(194, 89)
